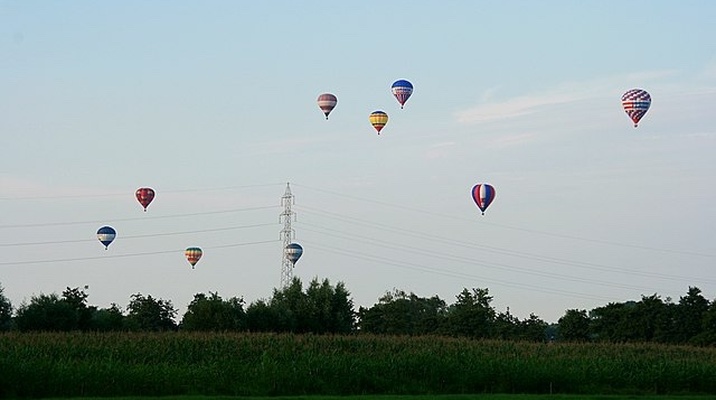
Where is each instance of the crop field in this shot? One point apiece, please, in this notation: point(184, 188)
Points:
point(45, 365)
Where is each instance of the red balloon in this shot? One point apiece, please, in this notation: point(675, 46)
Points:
point(145, 196)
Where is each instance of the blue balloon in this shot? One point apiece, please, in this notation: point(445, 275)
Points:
point(402, 90)
point(106, 235)
point(293, 252)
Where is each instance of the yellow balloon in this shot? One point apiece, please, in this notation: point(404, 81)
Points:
point(378, 119)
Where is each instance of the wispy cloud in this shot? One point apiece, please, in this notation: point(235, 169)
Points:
point(511, 140)
point(570, 92)
point(439, 150)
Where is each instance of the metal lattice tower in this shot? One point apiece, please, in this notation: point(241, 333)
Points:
point(287, 234)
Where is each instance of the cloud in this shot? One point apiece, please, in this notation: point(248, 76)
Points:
point(511, 140)
point(566, 93)
point(439, 150)
point(516, 106)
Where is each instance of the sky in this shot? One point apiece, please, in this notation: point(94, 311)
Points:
point(213, 104)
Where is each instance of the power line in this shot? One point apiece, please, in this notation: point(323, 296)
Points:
point(44, 224)
point(229, 228)
point(60, 260)
point(454, 274)
point(502, 251)
point(532, 231)
point(125, 194)
point(472, 261)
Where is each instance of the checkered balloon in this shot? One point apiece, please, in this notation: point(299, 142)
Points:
point(636, 103)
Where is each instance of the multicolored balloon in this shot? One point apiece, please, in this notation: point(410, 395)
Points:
point(144, 196)
point(327, 102)
point(636, 103)
point(378, 119)
point(402, 90)
point(293, 252)
point(483, 194)
point(193, 254)
point(106, 235)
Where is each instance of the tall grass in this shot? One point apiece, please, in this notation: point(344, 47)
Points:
point(142, 364)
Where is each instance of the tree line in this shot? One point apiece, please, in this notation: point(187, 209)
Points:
point(322, 308)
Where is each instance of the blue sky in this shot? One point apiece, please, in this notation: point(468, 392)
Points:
point(213, 105)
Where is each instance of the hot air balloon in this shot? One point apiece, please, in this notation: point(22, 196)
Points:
point(106, 235)
point(327, 102)
point(636, 103)
point(144, 196)
point(378, 119)
point(193, 254)
point(293, 252)
point(402, 90)
point(483, 194)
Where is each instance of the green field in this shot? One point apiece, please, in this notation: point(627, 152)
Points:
point(234, 364)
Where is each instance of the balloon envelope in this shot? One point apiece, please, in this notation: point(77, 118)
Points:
point(106, 235)
point(327, 102)
point(636, 103)
point(483, 194)
point(293, 252)
point(193, 254)
point(378, 119)
point(144, 196)
point(402, 90)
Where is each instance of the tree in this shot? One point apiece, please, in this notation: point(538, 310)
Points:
point(289, 306)
point(471, 315)
point(260, 317)
point(322, 308)
point(46, 313)
point(328, 309)
point(689, 315)
point(5, 311)
point(108, 319)
point(76, 298)
point(533, 329)
point(342, 310)
point(574, 326)
point(506, 326)
point(399, 313)
point(213, 313)
point(150, 314)
point(643, 321)
point(54, 313)
point(609, 322)
point(649, 320)
point(707, 337)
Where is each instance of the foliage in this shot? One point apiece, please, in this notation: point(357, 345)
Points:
point(213, 313)
point(650, 319)
point(471, 315)
point(689, 316)
point(574, 326)
point(150, 314)
point(108, 319)
point(5, 311)
point(399, 313)
point(54, 313)
point(322, 308)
